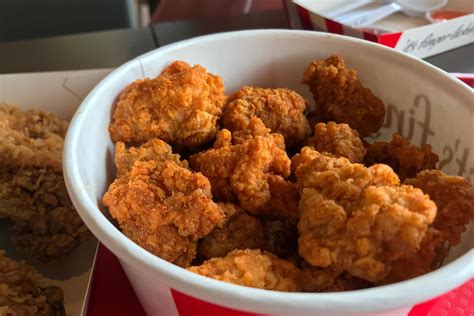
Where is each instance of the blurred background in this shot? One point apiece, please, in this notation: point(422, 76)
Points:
point(52, 35)
point(29, 19)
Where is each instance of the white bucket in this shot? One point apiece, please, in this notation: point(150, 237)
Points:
point(425, 102)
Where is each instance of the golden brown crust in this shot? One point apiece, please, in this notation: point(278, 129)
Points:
point(281, 110)
point(454, 197)
point(240, 170)
point(339, 140)
point(32, 190)
point(404, 158)
point(154, 149)
point(241, 231)
point(340, 96)
point(23, 291)
point(357, 218)
point(164, 208)
point(306, 154)
point(181, 107)
point(30, 138)
point(252, 268)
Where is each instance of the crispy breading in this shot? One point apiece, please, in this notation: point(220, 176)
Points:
point(284, 199)
point(340, 96)
point(454, 197)
point(339, 140)
point(252, 268)
point(23, 291)
point(433, 250)
point(306, 154)
point(164, 208)
point(281, 110)
point(240, 170)
point(241, 231)
point(154, 149)
point(32, 190)
point(181, 107)
point(404, 158)
point(30, 138)
point(357, 218)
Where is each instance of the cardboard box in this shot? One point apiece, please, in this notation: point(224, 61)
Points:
point(59, 92)
point(415, 36)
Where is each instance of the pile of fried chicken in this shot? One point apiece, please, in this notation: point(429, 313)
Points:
point(33, 196)
point(263, 190)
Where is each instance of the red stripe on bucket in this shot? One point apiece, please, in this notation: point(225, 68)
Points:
point(112, 294)
point(304, 17)
point(334, 27)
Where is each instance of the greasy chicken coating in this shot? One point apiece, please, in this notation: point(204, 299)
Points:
point(338, 139)
point(154, 149)
point(240, 170)
point(164, 208)
point(252, 268)
point(404, 158)
point(454, 197)
point(281, 110)
point(241, 231)
point(181, 107)
point(32, 190)
point(358, 219)
point(340, 96)
point(23, 291)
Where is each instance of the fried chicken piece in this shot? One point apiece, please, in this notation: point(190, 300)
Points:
point(454, 197)
point(406, 159)
point(164, 208)
point(339, 140)
point(281, 110)
point(154, 149)
point(358, 219)
point(313, 279)
point(32, 190)
point(306, 154)
point(181, 107)
point(241, 168)
point(23, 291)
point(284, 199)
point(340, 96)
point(252, 268)
point(30, 138)
point(241, 231)
point(429, 257)
point(45, 223)
point(32, 123)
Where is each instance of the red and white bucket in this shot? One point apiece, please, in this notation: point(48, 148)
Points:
point(275, 58)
